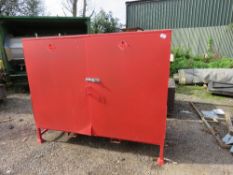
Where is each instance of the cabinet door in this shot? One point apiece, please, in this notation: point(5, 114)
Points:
point(56, 70)
point(128, 77)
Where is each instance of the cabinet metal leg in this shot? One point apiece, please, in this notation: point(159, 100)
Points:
point(160, 160)
point(39, 136)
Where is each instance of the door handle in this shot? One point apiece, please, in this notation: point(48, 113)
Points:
point(92, 80)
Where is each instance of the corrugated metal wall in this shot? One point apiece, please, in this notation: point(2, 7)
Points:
point(196, 39)
point(194, 22)
point(161, 14)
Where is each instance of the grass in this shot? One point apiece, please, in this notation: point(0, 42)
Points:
point(185, 60)
point(199, 92)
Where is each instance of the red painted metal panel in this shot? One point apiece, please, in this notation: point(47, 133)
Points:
point(111, 85)
point(56, 69)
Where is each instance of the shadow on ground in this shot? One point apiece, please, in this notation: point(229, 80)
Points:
point(187, 140)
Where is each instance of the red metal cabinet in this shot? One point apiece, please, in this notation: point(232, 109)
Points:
point(108, 85)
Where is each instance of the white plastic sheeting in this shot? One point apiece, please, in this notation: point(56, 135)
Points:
point(204, 76)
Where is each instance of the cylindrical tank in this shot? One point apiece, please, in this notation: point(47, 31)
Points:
point(13, 48)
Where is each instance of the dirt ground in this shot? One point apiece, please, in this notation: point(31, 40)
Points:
point(191, 149)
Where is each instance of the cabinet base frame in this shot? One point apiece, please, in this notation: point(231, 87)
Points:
point(160, 159)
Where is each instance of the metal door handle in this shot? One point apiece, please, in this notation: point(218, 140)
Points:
point(92, 80)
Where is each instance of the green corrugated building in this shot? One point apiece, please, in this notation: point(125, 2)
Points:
point(194, 22)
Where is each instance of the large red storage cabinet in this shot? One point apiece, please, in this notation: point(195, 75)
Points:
point(107, 85)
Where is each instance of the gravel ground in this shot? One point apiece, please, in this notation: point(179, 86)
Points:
point(191, 149)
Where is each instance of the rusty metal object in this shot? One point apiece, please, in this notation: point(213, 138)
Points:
point(215, 104)
point(209, 127)
point(229, 124)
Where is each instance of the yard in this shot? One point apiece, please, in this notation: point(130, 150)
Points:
point(189, 148)
point(97, 81)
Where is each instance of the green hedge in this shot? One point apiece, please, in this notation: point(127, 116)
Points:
point(185, 60)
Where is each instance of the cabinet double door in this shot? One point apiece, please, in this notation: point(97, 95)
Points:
point(111, 86)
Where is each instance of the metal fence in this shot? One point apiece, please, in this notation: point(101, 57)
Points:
point(196, 39)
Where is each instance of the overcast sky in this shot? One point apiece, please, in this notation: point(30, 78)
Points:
point(54, 7)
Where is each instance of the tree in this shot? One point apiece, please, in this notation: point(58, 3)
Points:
point(9, 7)
point(104, 23)
point(70, 6)
point(21, 7)
point(32, 8)
point(84, 8)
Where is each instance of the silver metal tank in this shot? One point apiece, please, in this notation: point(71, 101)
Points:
point(14, 48)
